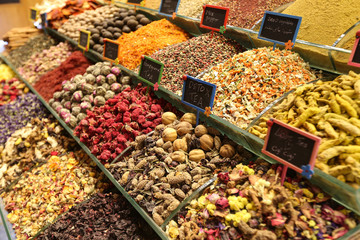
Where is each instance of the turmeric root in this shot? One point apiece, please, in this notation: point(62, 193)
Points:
point(347, 106)
point(305, 115)
point(336, 151)
point(346, 126)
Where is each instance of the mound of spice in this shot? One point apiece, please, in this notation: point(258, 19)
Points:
point(10, 89)
point(246, 13)
point(247, 204)
point(318, 15)
point(331, 111)
point(17, 114)
point(30, 146)
point(109, 129)
point(105, 216)
point(52, 81)
point(34, 45)
point(167, 166)
point(193, 57)
point(249, 81)
point(86, 20)
point(54, 188)
point(41, 63)
point(83, 92)
point(194, 8)
point(147, 40)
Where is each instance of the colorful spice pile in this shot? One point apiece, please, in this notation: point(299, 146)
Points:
point(147, 40)
point(317, 16)
point(105, 216)
point(54, 188)
point(331, 111)
point(174, 161)
point(194, 9)
point(109, 129)
point(10, 87)
point(193, 57)
point(246, 13)
point(17, 114)
point(34, 45)
point(41, 63)
point(242, 205)
point(86, 20)
point(81, 93)
point(58, 16)
point(29, 146)
point(124, 20)
point(249, 81)
point(51, 82)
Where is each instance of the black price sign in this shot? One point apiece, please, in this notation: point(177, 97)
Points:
point(135, 2)
point(354, 59)
point(84, 40)
point(279, 28)
point(291, 146)
point(214, 17)
point(198, 94)
point(33, 14)
point(168, 7)
point(151, 70)
point(44, 19)
point(111, 50)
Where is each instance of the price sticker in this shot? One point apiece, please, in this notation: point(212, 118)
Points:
point(151, 71)
point(214, 17)
point(34, 13)
point(354, 59)
point(84, 40)
point(291, 146)
point(111, 50)
point(169, 7)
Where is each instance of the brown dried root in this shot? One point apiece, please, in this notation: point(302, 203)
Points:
point(190, 231)
point(255, 233)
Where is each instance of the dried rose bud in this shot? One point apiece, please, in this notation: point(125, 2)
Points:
point(126, 80)
point(99, 101)
point(106, 86)
point(105, 70)
point(111, 78)
point(78, 95)
point(90, 78)
point(67, 105)
point(116, 71)
point(100, 91)
point(85, 105)
point(115, 87)
point(109, 94)
point(75, 111)
point(100, 80)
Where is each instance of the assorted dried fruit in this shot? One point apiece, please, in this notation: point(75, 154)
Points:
point(193, 57)
point(83, 92)
point(147, 40)
point(248, 82)
point(331, 111)
point(124, 21)
point(10, 89)
point(109, 129)
point(54, 188)
point(86, 20)
point(30, 146)
point(17, 114)
point(250, 203)
point(51, 82)
point(105, 216)
point(167, 166)
point(41, 63)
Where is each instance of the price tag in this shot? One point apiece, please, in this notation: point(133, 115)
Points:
point(151, 71)
point(198, 94)
point(354, 59)
point(135, 2)
point(111, 50)
point(279, 28)
point(292, 147)
point(44, 21)
point(34, 14)
point(169, 7)
point(84, 40)
point(214, 17)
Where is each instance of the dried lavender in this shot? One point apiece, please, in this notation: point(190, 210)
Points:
point(17, 114)
point(193, 57)
point(105, 216)
point(34, 45)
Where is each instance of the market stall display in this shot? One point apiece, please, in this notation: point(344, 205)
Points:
point(191, 8)
point(178, 158)
point(68, 179)
point(51, 82)
point(331, 111)
point(42, 62)
point(193, 57)
point(250, 81)
point(104, 216)
point(248, 203)
point(147, 40)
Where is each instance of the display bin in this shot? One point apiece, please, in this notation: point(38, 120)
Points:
point(9, 232)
